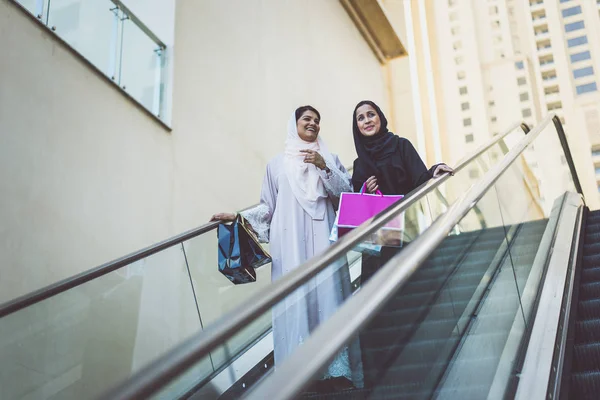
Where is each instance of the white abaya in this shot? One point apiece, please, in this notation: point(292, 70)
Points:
point(295, 237)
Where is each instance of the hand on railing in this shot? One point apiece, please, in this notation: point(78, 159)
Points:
point(441, 169)
point(223, 217)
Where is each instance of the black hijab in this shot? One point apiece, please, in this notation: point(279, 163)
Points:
point(392, 159)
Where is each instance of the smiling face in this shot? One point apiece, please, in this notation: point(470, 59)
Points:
point(368, 120)
point(308, 126)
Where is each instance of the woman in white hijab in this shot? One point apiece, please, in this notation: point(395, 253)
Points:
point(295, 216)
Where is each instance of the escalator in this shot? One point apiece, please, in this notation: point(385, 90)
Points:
point(458, 312)
point(453, 314)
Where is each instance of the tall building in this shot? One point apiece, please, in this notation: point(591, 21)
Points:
point(564, 43)
point(504, 61)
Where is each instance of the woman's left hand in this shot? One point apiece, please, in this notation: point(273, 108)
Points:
point(441, 169)
point(312, 157)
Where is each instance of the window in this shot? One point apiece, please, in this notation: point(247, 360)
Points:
point(467, 122)
point(519, 65)
point(574, 26)
point(597, 170)
point(521, 81)
point(497, 39)
point(492, 103)
point(457, 45)
point(465, 106)
point(461, 75)
point(585, 55)
point(469, 138)
point(494, 119)
point(524, 96)
point(578, 41)
point(493, 10)
point(568, 12)
point(589, 87)
point(595, 153)
point(564, 1)
point(455, 30)
point(463, 90)
point(459, 60)
point(496, 24)
point(526, 112)
point(451, 3)
point(581, 72)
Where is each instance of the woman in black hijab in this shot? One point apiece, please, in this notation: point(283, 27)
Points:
point(387, 163)
point(390, 164)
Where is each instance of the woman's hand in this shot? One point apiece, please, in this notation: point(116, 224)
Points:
point(372, 185)
point(312, 157)
point(223, 217)
point(441, 169)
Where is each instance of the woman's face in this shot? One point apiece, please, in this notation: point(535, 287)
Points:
point(367, 120)
point(308, 126)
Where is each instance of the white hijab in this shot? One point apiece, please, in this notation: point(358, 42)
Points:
point(304, 178)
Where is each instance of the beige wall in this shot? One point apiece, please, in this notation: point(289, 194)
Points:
point(87, 177)
point(241, 78)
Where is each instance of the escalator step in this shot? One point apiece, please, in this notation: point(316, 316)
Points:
point(587, 331)
point(586, 357)
point(591, 249)
point(585, 385)
point(591, 237)
point(589, 291)
point(589, 275)
point(591, 261)
point(592, 222)
point(593, 226)
point(589, 309)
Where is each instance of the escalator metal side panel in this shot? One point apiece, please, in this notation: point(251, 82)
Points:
point(546, 333)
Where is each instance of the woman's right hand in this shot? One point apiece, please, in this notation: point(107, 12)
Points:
point(372, 185)
point(223, 217)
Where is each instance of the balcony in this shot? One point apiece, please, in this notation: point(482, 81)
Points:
point(536, 5)
point(541, 34)
point(546, 62)
point(549, 76)
point(544, 48)
point(553, 106)
point(539, 18)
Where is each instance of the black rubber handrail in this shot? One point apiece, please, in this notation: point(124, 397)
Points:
point(567, 150)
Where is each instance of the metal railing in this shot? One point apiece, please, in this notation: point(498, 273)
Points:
point(323, 345)
point(158, 374)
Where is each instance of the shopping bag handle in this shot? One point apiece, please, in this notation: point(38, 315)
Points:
point(364, 186)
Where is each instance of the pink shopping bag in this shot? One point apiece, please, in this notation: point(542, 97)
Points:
point(356, 208)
